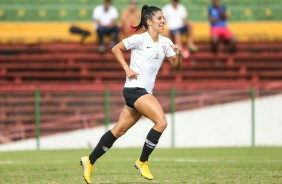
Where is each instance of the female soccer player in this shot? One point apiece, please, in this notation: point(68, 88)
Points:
point(148, 51)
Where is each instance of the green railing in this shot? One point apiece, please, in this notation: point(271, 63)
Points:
point(31, 111)
point(253, 111)
point(37, 116)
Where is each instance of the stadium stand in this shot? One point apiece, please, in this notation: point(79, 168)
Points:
point(39, 21)
point(75, 63)
point(37, 51)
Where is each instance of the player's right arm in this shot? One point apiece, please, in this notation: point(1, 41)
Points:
point(118, 50)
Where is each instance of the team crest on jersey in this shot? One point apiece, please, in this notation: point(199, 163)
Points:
point(164, 49)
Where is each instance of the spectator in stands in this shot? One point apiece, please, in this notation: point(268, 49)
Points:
point(130, 16)
point(105, 17)
point(148, 51)
point(219, 31)
point(176, 17)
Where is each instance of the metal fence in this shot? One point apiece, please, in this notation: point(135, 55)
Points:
point(32, 111)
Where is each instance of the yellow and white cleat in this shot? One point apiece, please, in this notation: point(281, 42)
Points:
point(88, 168)
point(144, 169)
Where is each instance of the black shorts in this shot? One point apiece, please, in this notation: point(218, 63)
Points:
point(132, 94)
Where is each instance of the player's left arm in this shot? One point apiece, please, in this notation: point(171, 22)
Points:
point(176, 60)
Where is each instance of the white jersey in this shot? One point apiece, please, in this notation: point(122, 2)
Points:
point(146, 58)
point(105, 17)
point(174, 17)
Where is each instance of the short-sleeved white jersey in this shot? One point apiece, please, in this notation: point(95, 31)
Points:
point(105, 17)
point(146, 58)
point(174, 17)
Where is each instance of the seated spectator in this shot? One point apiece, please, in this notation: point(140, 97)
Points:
point(105, 17)
point(176, 19)
point(130, 16)
point(219, 30)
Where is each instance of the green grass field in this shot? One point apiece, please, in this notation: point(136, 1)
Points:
point(201, 165)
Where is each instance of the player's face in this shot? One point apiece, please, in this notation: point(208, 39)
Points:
point(158, 22)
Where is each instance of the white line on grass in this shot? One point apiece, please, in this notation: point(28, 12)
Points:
point(7, 162)
point(194, 160)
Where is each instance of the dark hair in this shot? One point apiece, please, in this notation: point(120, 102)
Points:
point(147, 13)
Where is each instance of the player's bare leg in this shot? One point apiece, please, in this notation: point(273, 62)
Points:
point(128, 117)
point(148, 106)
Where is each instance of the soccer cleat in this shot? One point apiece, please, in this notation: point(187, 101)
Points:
point(144, 169)
point(88, 168)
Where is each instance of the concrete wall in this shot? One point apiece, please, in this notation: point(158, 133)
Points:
point(216, 126)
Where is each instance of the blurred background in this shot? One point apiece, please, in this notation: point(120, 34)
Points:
point(55, 86)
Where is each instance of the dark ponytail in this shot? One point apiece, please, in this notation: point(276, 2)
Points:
point(147, 13)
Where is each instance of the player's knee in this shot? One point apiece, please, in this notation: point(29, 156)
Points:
point(164, 125)
point(161, 124)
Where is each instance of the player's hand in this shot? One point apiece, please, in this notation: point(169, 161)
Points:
point(131, 74)
point(176, 49)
